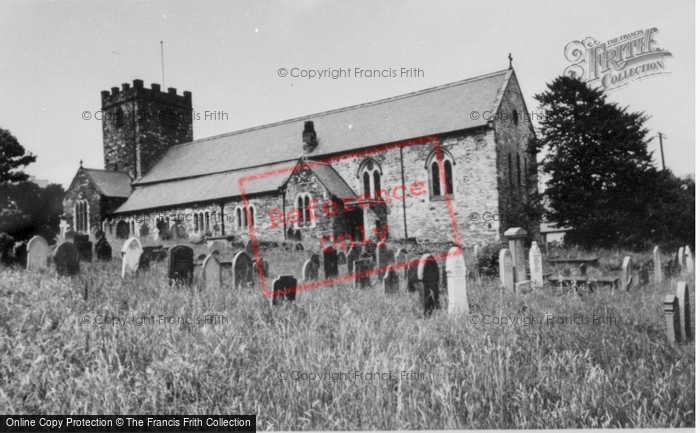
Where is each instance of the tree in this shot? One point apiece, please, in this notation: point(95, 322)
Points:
point(12, 157)
point(25, 208)
point(600, 169)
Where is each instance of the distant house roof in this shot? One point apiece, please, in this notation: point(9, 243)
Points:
point(432, 111)
point(552, 228)
point(110, 183)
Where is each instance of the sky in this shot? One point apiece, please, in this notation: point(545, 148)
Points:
point(57, 56)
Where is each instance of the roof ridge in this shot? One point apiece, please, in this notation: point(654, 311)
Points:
point(352, 107)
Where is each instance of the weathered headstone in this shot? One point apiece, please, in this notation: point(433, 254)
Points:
point(290, 233)
point(181, 232)
point(412, 283)
point(297, 235)
point(681, 258)
point(505, 269)
point(249, 248)
point(658, 275)
point(67, 260)
point(330, 263)
point(523, 286)
point(456, 270)
point(103, 250)
point(400, 257)
point(536, 265)
point(643, 277)
point(181, 265)
point(211, 272)
point(626, 275)
point(342, 259)
point(684, 310)
point(352, 257)
point(429, 279)
point(516, 245)
point(299, 247)
point(242, 270)
point(284, 288)
point(84, 250)
point(689, 262)
point(361, 278)
point(131, 256)
point(673, 322)
point(316, 259)
point(20, 253)
point(37, 253)
point(385, 257)
point(144, 230)
point(309, 272)
point(391, 282)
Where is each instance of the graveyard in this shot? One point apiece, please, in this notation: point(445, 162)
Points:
point(174, 328)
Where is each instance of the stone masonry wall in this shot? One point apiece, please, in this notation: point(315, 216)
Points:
point(513, 132)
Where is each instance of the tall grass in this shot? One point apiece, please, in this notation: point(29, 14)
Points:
point(471, 375)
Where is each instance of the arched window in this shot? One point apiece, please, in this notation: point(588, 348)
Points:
point(518, 168)
point(251, 211)
point(239, 218)
point(302, 205)
point(196, 222)
point(436, 187)
point(81, 216)
point(206, 221)
point(370, 174)
point(201, 221)
point(510, 169)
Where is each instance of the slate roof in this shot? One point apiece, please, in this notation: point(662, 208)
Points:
point(208, 169)
point(330, 178)
point(110, 183)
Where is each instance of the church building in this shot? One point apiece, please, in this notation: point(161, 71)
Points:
point(421, 165)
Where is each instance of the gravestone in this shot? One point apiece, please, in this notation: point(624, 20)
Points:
point(505, 270)
point(242, 267)
point(78, 237)
point(684, 310)
point(37, 253)
point(353, 256)
point(316, 259)
point(284, 289)
point(181, 266)
point(131, 256)
point(84, 249)
point(211, 272)
point(144, 230)
point(626, 275)
point(658, 275)
point(412, 283)
point(103, 250)
point(249, 248)
point(342, 259)
point(309, 271)
point(391, 282)
point(361, 267)
point(67, 260)
point(536, 265)
point(428, 281)
point(456, 273)
point(20, 252)
point(400, 257)
point(643, 277)
point(216, 244)
point(330, 263)
point(673, 322)
point(681, 258)
point(266, 269)
point(290, 233)
point(689, 263)
point(385, 257)
point(297, 235)
point(299, 247)
point(516, 245)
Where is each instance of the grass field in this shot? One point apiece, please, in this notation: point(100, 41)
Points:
point(467, 373)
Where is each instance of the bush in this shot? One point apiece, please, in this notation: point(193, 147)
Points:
point(487, 260)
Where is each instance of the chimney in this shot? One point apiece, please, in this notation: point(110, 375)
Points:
point(309, 136)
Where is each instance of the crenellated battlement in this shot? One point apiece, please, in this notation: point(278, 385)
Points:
point(137, 90)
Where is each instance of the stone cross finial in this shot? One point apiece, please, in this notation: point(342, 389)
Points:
point(510, 59)
point(81, 163)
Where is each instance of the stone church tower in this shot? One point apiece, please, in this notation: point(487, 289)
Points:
point(140, 124)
